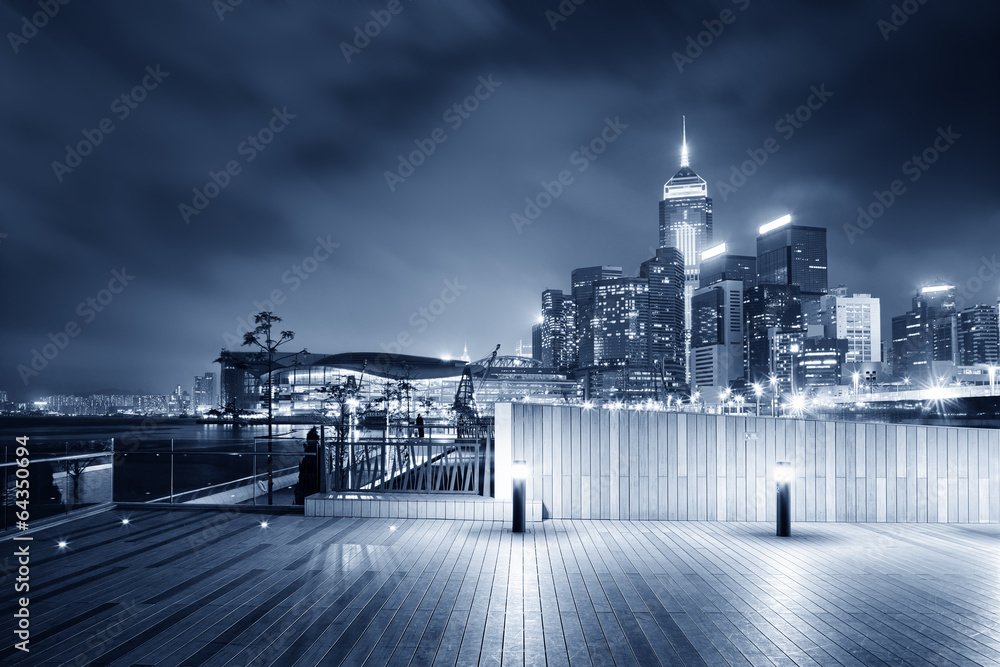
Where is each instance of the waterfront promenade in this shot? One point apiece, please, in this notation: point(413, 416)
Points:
point(216, 588)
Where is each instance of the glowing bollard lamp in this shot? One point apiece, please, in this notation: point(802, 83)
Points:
point(519, 471)
point(783, 474)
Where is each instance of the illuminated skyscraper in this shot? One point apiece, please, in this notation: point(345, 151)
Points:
point(621, 314)
point(925, 334)
point(717, 335)
point(718, 265)
point(977, 336)
point(686, 224)
point(768, 307)
point(583, 297)
point(686, 214)
point(204, 392)
point(667, 289)
point(558, 330)
point(856, 319)
point(790, 254)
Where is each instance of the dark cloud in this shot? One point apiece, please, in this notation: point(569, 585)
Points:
point(323, 176)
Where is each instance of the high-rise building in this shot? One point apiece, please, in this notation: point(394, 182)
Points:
point(717, 335)
point(977, 335)
point(621, 316)
point(790, 254)
point(665, 277)
point(686, 224)
point(856, 319)
point(686, 214)
point(784, 348)
point(923, 339)
point(718, 265)
point(557, 331)
point(583, 298)
point(204, 392)
point(536, 341)
point(819, 362)
point(766, 307)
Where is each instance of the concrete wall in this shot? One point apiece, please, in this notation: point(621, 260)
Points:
point(605, 464)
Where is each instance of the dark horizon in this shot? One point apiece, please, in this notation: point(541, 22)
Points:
point(299, 124)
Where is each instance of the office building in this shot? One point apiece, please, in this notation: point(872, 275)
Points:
point(583, 297)
point(558, 330)
point(819, 362)
point(686, 214)
point(977, 336)
point(717, 335)
point(718, 265)
point(856, 319)
point(665, 277)
point(790, 254)
point(767, 307)
point(621, 316)
point(204, 392)
point(686, 224)
point(924, 338)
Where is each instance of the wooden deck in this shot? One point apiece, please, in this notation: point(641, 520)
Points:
point(214, 588)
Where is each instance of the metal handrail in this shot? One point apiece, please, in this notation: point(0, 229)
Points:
point(32, 460)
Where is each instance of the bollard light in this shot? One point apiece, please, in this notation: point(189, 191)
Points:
point(783, 475)
point(519, 471)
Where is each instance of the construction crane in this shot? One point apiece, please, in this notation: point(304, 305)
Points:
point(465, 401)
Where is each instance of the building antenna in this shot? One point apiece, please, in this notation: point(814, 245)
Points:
point(684, 144)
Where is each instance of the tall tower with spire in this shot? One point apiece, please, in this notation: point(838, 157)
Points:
point(686, 224)
point(686, 213)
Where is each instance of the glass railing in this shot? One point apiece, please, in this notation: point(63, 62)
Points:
point(72, 474)
point(46, 479)
point(177, 472)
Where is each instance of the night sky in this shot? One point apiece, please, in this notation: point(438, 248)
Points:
point(266, 90)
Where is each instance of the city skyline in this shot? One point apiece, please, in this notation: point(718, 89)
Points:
point(146, 274)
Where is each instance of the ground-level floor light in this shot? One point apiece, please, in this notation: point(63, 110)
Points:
point(519, 471)
point(783, 474)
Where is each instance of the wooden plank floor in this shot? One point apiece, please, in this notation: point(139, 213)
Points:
point(214, 588)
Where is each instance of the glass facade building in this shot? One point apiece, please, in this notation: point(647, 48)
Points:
point(583, 298)
point(793, 255)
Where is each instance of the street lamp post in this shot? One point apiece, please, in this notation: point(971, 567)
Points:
point(519, 472)
point(783, 483)
point(757, 391)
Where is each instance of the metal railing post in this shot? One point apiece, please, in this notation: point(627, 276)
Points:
point(171, 471)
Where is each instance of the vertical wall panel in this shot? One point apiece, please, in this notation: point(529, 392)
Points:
point(642, 465)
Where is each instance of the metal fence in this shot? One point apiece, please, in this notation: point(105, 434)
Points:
point(445, 459)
